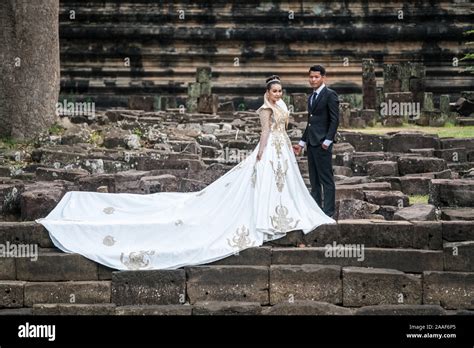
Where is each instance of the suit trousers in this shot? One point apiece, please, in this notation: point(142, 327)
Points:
point(323, 188)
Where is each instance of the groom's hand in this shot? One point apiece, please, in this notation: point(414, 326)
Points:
point(324, 146)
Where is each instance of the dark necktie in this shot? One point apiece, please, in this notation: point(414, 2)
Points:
point(314, 96)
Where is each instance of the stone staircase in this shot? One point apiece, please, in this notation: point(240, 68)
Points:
point(113, 49)
point(408, 268)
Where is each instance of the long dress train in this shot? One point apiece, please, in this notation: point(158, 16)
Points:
point(254, 202)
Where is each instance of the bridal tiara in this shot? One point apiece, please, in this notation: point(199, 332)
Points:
point(274, 80)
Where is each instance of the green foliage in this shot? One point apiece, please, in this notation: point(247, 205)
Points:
point(470, 55)
point(96, 138)
point(418, 199)
point(56, 129)
point(138, 131)
point(8, 143)
point(355, 100)
point(450, 123)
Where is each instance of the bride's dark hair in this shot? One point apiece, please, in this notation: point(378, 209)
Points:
point(272, 80)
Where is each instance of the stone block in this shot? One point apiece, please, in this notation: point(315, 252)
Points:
point(368, 287)
point(382, 168)
point(56, 266)
point(451, 290)
point(12, 294)
point(228, 283)
point(306, 282)
point(67, 292)
point(459, 256)
point(227, 308)
point(149, 287)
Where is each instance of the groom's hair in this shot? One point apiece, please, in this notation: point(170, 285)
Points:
point(319, 68)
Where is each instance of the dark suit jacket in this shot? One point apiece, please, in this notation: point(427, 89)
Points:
point(323, 118)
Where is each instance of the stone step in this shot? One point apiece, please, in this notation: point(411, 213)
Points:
point(227, 308)
point(459, 256)
point(370, 232)
point(406, 260)
point(154, 310)
point(228, 283)
point(393, 198)
point(465, 121)
point(243, 290)
point(451, 290)
point(59, 266)
point(86, 69)
point(73, 309)
point(305, 282)
point(261, 256)
point(386, 244)
point(368, 287)
point(56, 266)
point(16, 311)
point(452, 193)
point(153, 287)
point(376, 233)
point(305, 307)
point(19, 294)
point(232, 308)
point(401, 309)
point(457, 214)
point(27, 232)
point(458, 231)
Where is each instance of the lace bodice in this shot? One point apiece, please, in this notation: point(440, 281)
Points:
point(274, 119)
point(279, 120)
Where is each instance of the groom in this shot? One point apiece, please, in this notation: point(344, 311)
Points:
point(323, 119)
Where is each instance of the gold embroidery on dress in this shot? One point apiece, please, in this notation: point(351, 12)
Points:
point(241, 239)
point(279, 120)
point(109, 241)
point(280, 174)
point(277, 143)
point(109, 210)
point(280, 221)
point(137, 259)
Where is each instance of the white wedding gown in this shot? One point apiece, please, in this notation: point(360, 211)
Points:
point(254, 202)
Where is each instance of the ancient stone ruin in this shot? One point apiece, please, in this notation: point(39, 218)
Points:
point(409, 266)
point(164, 121)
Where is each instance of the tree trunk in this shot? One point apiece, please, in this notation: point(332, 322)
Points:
point(29, 73)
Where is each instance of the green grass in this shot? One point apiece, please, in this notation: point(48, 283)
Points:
point(450, 130)
point(418, 199)
point(7, 143)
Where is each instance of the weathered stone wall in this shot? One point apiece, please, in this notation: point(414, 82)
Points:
point(165, 41)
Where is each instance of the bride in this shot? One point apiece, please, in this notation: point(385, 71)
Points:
point(258, 200)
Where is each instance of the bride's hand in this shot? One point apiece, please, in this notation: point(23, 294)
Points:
point(259, 156)
point(297, 149)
